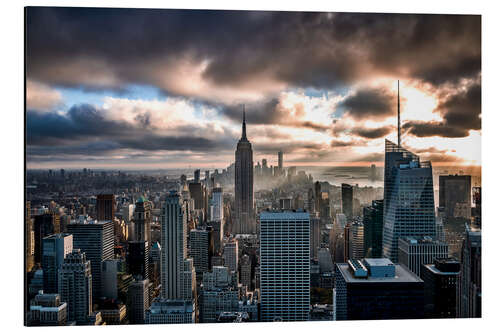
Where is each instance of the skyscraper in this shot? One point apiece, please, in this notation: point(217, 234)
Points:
point(372, 289)
point(347, 198)
point(177, 272)
point(201, 249)
point(231, 255)
point(441, 288)
point(75, 286)
point(54, 250)
point(48, 310)
point(197, 175)
point(141, 221)
point(138, 301)
point(43, 225)
point(455, 195)
point(105, 207)
point(29, 240)
point(408, 198)
point(356, 240)
point(280, 161)
point(96, 239)
point(470, 276)
point(285, 266)
point(373, 222)
point(413, 252)
point(243, 189)
point(217, 211)
point(138, 259)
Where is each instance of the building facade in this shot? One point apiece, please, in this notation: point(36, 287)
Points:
point(54, 249)
point(375, 289)
point(243, 188)
point(413, 252)
point(285, 266)
point(373, 222)
point(75, 286)
point(441, 288)
point(96, 239)
point(408, 198)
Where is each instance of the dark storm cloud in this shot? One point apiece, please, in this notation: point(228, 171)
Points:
point(271, 112)
point(84, 130)
point(372, 133)
point(352, 143)
point(121, 46)
point(371, 103)
point(461, 113)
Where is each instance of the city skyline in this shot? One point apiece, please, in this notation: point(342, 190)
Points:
point(321, 87)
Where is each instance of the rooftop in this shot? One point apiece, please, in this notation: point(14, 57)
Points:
point(284, 215)
point(402, 275)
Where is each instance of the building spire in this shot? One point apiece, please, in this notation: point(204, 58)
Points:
point(399, 121)
point(244, 127)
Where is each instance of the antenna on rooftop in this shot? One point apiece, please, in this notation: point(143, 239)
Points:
point(399, 121)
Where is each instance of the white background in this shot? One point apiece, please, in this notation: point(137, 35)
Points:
point(12, 161)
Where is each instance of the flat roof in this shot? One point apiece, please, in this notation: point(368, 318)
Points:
point(378, 262)
point(402, 275)
point(284, 215)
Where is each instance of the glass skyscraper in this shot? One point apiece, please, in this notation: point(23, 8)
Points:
point(408, 198)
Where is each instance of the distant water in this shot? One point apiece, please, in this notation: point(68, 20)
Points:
point(361, 175)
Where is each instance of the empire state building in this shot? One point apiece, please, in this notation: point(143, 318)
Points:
point(243, 188)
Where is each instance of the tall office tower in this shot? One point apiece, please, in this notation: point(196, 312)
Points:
point(55, 248)
point(75, 286)
point(217, 235)
point(207, 177)
point(110, 269)
point(197, 175)
point(246, 271)
point(29, 240)
point(177, 272)
point(105, 207)
point(470, 276)
point(372, 289)
point(141, 221)
point(217, 211)
point(413, 252)
point(356, 240)
point(243, 185)
point(441, 288)
point(44, 225)
point(138, 259)
point(280, 161)
point(196, 193)
point(347, 198)
point(315, 236)
point(96, 239)
point(408, 198)
point(138, 301)
point(285, 266)
point(164, 311)
point(231, 255)
point(48, 310)
point(325, 211)
point(476, 212)
point(219, 293)
point(317, 196)
point(201, 249)
point(128, 212)
point(455, 195)
point(373, 222)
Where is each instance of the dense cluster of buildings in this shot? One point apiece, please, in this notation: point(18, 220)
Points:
point(189, 251)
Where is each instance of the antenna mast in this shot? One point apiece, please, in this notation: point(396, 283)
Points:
point(399, 121)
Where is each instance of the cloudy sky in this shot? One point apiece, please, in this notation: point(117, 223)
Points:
point(126, 88)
